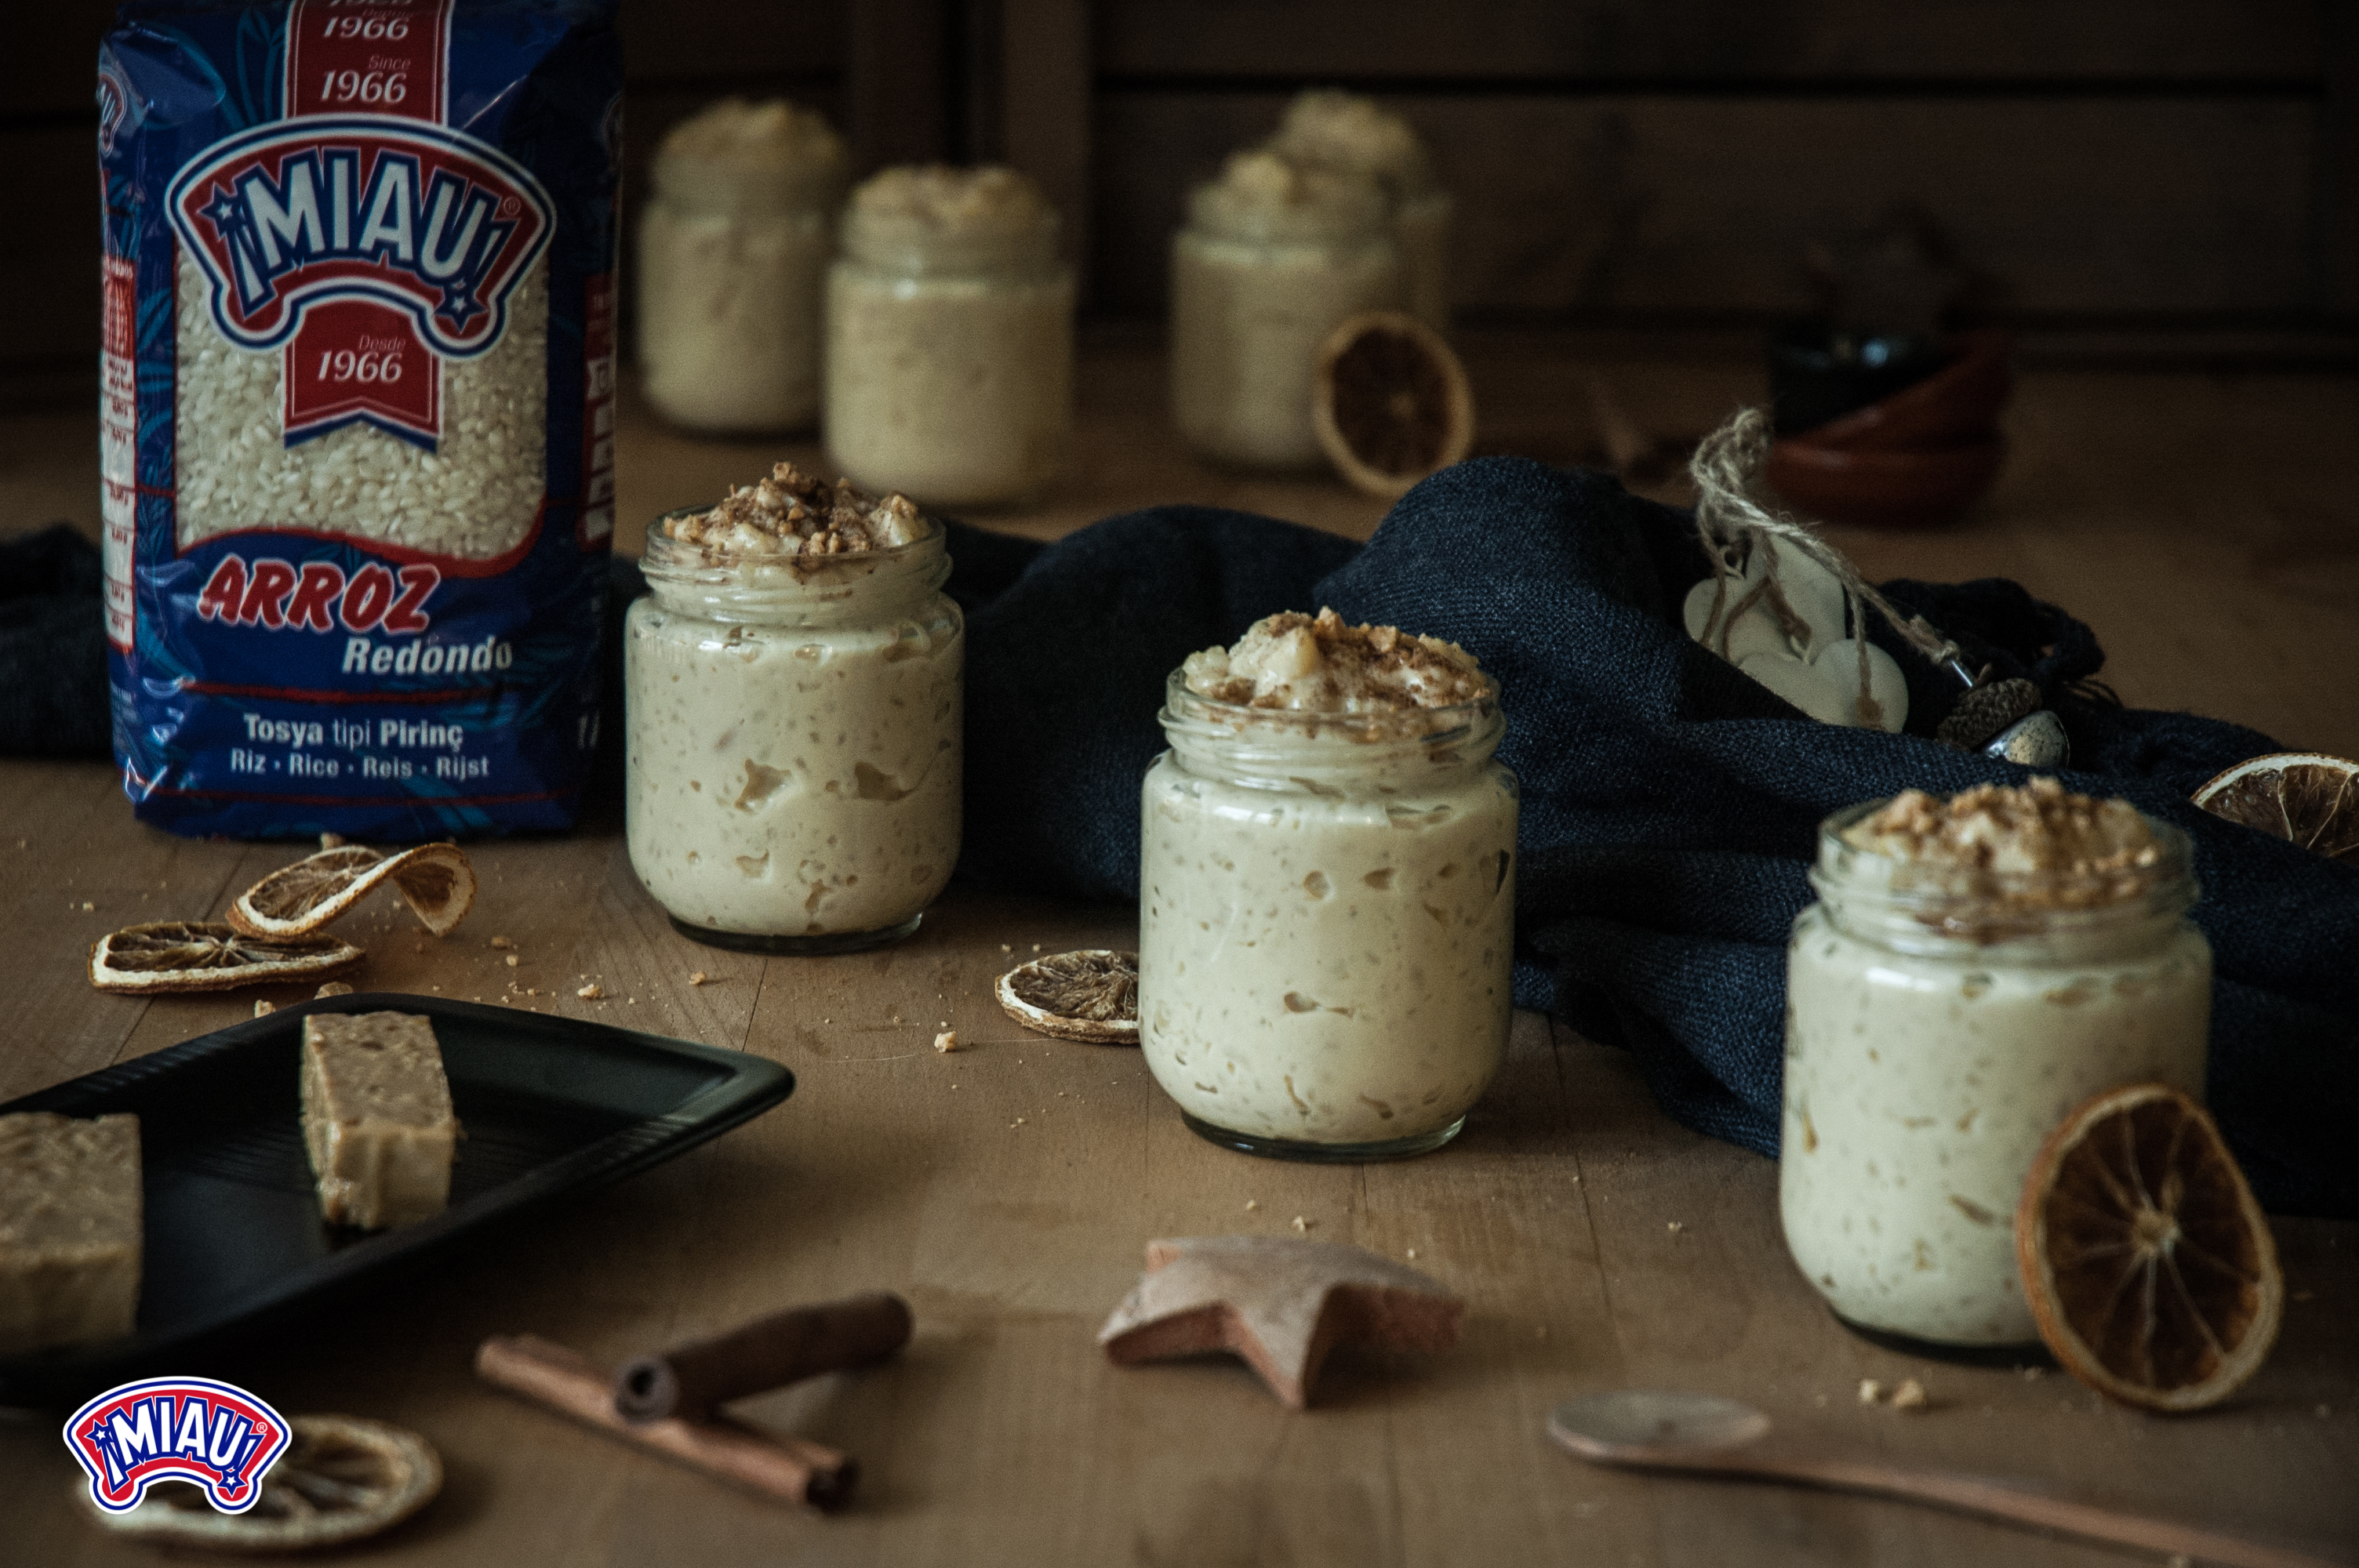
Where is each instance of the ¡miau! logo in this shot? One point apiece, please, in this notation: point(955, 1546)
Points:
point(432, 222)
point(180, 1429)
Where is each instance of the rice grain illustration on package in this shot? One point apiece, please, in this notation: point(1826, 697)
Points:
point(357, 409)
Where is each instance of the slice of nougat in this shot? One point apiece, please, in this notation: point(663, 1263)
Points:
point(69, 1229)
point(376, 1117)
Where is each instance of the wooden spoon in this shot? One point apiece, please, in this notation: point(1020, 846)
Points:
point(1660, 1428)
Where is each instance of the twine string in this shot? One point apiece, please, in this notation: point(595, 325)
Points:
point(1732, 523)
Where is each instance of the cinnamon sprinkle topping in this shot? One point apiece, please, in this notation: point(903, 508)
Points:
point(791, 513)
point(1321, 665)
point(2078, 851)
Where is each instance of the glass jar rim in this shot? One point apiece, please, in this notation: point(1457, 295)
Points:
point(1184, 708)
point(1346, 208)
point(771, 588)
point(897, 242)
point(1983, 906)
point(696, 183)
point(1287, 230)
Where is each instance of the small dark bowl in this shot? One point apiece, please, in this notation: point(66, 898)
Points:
point(1817, 374)
point(1884, 490)
point(1957, 406)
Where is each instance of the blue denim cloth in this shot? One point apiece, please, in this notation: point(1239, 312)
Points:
point(1670, 804)
point(53, 693)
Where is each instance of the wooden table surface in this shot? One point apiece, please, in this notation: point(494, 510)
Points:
point(2203, 526)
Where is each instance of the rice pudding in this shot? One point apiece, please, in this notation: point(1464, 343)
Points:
point(1273, 258)
point(793, 685)
point(1325, 128)
point(1975, 968)
point(1327, 891)
point(732, 251)
point(949, 338)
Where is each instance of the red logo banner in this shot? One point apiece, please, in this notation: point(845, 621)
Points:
point(351, 359)
point(354, 358)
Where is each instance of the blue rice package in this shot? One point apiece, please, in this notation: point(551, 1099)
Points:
point(357, 409)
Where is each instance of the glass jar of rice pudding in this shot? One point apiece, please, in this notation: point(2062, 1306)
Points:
point(733, 250)
point(1974, 968)
point(1327, 129)
point(792, 693)
point(1273, 258)
point(949, 338)
point(1327, 892)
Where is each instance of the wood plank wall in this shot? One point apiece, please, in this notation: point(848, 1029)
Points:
point(1628, 161)
point(49, 185)
point(2160, 166)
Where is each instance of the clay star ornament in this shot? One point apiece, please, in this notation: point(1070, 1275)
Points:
point(1279, 1302)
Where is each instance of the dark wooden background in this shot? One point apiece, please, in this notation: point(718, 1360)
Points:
point(2175, 177)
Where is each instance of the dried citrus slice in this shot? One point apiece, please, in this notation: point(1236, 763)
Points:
point(340, 1480)
point(1091, 994)
point(2306, 797)
point(2149, 1265)
point(434, 880)
point(207, 955)
point(1389, 401)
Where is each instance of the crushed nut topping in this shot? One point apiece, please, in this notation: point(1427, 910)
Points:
point(2093, 851)
point(1320, 664)
point(791, 513)
point(770, 136)
point(947, 1039)
point(1326, 128)
point(1261, 195)
point(591, 992)
point(939, 199)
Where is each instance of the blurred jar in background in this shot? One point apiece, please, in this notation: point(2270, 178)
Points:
point(949, 338)
point(732, 253)
point(1273, 259)
point(1327, 129)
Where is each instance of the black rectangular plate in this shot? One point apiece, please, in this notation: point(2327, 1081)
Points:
point(548, 1106)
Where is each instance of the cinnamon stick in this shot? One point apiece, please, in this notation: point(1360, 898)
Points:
point(788, 1468)
point(769, 1352)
